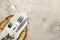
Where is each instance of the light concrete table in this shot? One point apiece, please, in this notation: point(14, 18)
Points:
point(44, 18)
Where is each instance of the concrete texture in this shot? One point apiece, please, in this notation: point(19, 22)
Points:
point(44, 18)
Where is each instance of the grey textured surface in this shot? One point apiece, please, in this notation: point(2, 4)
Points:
point(44, 18)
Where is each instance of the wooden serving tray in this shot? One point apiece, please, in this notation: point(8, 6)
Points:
point(4, 23)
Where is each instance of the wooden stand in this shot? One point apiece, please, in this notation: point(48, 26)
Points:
point(4, 23)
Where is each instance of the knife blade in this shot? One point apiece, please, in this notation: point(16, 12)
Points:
point(22, 23)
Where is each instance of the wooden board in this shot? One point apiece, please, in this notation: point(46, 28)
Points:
point(4, 23)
